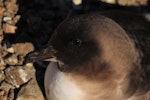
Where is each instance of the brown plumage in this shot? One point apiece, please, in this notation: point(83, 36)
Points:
point(97, 58)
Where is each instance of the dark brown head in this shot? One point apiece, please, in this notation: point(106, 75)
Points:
point(87, 41)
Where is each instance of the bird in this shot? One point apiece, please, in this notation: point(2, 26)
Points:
point(98, 56)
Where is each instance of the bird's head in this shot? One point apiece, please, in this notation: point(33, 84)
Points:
point(86, 41)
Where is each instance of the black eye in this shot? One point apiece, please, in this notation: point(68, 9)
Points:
point(76, 42)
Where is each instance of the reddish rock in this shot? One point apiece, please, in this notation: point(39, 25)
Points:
point(2, 9)
point(9, 29)
point(23, 48)
point(11, 8)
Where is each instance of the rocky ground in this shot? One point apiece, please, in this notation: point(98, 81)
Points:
point(25, 26)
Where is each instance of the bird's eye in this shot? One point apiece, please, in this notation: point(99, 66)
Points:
point(76, 42)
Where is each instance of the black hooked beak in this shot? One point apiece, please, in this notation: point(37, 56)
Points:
point(45, 54)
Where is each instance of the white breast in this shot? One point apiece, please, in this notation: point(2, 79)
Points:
point(58, 86)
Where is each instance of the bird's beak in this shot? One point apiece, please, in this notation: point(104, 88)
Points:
point(46, 54)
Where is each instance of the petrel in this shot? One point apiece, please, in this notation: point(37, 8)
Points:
point(98, 56)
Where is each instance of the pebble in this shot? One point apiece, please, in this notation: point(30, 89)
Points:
point(127, 2)
point(11, 94)
point(5, 87)
point(16, 18)
point(13, 76)
point(12, 21)
point(29, 65)
point(2, 67)
point(31, 91)
point(1, 32)
point(2, 64)
point(10, 50)
point(20, 59)
point(5, 19)
point(9, 29)
point(3, 95)
point(11, 8)
point(23, 75)
point(2, 9)
point(2, 76)
point(1, 36)
point(110, 1)
point(23, 48)
point(77, 2)
point(12, 60)
point(16, 76)
point(4, 53)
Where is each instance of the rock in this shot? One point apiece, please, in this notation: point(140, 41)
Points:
point(31, 90)
point(3, 96)
point(23, 48)
point(20, 59)
point(9, 29)
point(10, 50)
point(77, 2)
point(5, 89)
point(4, 53)
point(11, 8)
point(11, 94)
point(16, 76)
point(2, 76)
point(16, 18)
point(12, 21)
point(5, 19)
point(1, 36)
point(2, 64)
point(1, 3)
point(127, 2)
point(1, 32)
point(110, 1)
point(132, 2)
point(2, 9)
point(12, 60)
